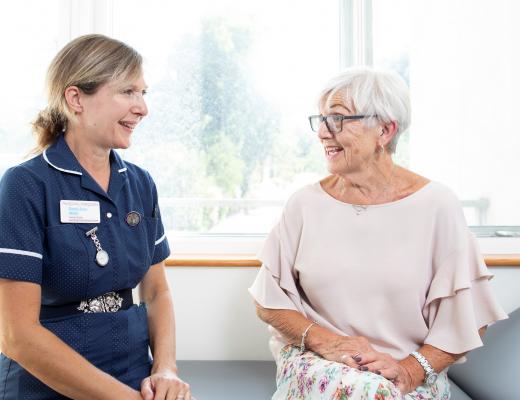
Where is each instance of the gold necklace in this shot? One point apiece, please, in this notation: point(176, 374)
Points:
point(361, 208)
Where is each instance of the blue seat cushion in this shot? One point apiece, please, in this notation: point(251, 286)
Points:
point(229, 380)
point(492, 371)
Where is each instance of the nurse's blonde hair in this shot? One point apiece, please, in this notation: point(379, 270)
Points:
point(86, 62)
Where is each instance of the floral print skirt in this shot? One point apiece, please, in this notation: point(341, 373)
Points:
point(307, 376)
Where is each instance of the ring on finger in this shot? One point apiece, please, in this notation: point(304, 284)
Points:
point(343, 357)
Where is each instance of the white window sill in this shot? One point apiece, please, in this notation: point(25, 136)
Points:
point(247, 246)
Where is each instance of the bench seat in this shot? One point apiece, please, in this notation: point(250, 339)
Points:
point(242, 380)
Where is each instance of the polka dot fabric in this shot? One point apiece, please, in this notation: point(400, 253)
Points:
point(36, 246)
point(21, 225)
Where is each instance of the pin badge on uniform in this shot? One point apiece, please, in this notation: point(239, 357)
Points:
point(102, 257)
point(133, 218)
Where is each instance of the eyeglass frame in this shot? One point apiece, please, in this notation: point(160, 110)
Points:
point(323, 118)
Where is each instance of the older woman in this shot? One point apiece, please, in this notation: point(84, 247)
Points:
point(80, 228)
point(371, 282)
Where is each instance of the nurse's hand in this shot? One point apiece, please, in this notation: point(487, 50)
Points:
point(165, 386)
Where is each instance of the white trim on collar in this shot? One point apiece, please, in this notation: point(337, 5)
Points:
point(122, 170)
point(58, 168)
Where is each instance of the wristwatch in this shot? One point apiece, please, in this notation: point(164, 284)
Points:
point(430, 374)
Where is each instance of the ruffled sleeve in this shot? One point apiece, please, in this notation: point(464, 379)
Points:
point(459, 300)
point(275, 285)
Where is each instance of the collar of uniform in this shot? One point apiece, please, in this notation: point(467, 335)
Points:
point(117, 161)
point(118, 176)
point(60, 157)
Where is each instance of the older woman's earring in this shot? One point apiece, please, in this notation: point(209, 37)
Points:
point(382, 151)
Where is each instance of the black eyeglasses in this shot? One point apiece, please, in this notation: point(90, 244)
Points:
point(334, 123)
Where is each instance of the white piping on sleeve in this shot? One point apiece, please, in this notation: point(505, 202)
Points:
point(160, 240)
point(21, 252)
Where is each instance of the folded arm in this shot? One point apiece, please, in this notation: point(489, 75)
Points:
point(331, 346)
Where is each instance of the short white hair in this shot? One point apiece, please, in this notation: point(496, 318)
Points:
point(376, 92)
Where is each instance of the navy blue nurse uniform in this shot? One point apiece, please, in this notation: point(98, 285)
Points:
point(36, 247)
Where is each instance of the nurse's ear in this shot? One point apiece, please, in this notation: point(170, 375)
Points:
point(73, 98)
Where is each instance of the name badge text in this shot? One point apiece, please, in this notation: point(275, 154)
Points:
point(79, 212)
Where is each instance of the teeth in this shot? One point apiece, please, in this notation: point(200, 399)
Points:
point(128, 124)
point(333, 150)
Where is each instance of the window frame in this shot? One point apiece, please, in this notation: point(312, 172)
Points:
point(355, 19)
point(357, 49)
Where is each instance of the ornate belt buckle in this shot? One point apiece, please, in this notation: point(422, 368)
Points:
point(108, 302)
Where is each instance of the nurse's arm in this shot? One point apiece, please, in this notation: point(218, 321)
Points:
point(163, 381)
point(155, 292)
point(43, 354)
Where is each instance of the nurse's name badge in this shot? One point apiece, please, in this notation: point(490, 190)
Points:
point(79, 212)
point(133, 218)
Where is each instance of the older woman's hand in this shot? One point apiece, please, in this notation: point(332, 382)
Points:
point(385, 365)
point(165, 386)
point(344, 349)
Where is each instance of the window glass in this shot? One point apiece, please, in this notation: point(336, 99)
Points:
point(461, 60)
point(231, 85)
point(31, 33)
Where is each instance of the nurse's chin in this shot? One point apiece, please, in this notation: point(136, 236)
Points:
point(122, 144)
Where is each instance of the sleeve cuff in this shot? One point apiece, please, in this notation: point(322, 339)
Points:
point(162, 250)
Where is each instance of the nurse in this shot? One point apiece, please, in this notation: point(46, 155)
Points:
point(79, 229)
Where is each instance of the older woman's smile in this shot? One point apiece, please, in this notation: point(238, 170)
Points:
point(332, 151)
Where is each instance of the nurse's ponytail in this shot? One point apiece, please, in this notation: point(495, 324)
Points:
point(87, 62)
point(47, 126)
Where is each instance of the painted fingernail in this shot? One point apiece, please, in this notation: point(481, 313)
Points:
point(363, 368)
point(377, 372)
point(357, 358)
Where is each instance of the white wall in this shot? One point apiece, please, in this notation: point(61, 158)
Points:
point(216, 318)
point(215, 315)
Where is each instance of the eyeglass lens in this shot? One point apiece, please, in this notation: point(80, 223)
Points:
point(333, 122)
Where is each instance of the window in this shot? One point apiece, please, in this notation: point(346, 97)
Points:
point(461, 60)
point(232, 82)
point(40, 33)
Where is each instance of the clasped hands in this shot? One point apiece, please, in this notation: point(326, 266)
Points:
point(357, 352)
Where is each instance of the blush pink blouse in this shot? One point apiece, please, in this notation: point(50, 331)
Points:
point(402, 274)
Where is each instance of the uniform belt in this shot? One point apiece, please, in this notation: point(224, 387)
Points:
point(108, 302)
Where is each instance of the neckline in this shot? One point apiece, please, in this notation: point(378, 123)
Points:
point(424, 188)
